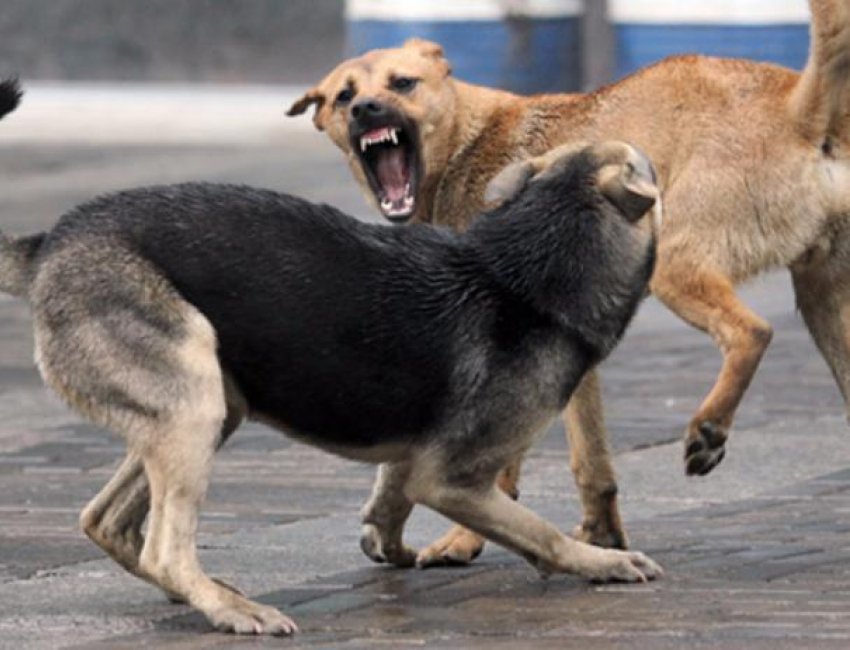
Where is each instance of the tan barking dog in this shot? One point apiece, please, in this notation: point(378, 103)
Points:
point(754, 167)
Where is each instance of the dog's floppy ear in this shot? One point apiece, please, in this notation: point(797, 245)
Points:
point(430, 50)
point(629, 183)
point(509, 182)
point(314, 96)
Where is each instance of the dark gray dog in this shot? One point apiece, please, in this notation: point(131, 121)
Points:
point(170, 314)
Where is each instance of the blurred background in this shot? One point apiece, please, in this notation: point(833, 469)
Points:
point(524, 45)
point(147, 71)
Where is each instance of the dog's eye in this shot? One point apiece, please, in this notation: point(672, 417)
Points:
point(344, 97)
point(403, 84)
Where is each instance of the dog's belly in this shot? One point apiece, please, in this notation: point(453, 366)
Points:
point(388, 451)
point(345, 400)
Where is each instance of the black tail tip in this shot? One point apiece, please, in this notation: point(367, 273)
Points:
point(10, 95)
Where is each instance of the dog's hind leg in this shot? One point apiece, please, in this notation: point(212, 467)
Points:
point(707, 300)
point(113, 519)
point(123, 348)
point(822, 287)
point(384, 516)
point(177, 451)
point(491, 513)
point(591, 465)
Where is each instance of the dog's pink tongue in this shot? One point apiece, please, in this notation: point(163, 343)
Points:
point(392, 172)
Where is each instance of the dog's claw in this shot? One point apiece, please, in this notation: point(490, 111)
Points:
point(627, 566)
point(252, 618)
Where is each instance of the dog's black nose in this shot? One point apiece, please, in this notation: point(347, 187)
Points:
point(368, 108)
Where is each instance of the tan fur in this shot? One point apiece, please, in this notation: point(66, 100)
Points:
point(754, 166)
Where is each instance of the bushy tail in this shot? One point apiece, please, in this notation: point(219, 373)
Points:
point(16, 254)
point(821, 100)
point(10, 96)
point(17, 262)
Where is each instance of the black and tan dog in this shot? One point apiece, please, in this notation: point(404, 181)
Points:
point(170, 314)
point(754, 168)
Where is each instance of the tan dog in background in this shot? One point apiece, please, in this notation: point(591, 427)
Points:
point(754, 168)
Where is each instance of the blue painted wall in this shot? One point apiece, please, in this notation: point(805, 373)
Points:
point(537, 51)
point(763, 30)
point(542, 55)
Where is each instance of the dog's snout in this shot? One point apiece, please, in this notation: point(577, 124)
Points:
point(368, 108)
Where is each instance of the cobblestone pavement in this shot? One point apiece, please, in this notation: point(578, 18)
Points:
point(756, 554)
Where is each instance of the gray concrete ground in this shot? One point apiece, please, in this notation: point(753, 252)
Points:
point(756, 554)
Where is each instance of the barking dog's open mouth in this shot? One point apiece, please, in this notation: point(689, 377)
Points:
point(389, 156)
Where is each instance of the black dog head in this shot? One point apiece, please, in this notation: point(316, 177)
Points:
point(624, 175)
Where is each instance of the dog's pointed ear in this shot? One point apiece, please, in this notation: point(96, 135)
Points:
point(630, 183)
point(430, 50)
point(509, 182)
point(314, 96)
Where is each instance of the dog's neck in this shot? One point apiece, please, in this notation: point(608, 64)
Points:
point(523, 253)
point(487, 133)
point(474, 108)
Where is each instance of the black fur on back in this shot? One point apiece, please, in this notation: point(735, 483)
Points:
point(350, 332)
point(10, 96)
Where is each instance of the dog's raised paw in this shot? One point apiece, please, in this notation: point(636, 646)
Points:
point(704, 447)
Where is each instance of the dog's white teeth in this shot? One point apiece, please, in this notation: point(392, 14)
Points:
point(385, 135)
point(386, 205)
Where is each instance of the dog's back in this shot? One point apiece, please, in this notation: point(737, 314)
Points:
point(289, 287)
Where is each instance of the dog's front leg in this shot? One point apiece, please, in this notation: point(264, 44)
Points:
point(591, 465)
point(384, 516)
point(113, 519)
point(493, 514)
point(460, 545)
